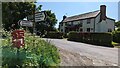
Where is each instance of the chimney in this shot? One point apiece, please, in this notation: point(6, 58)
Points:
point(103, 12)
point(64, 17)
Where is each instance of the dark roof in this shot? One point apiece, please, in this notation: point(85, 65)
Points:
point(82, 16)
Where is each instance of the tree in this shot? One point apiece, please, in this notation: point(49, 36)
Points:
point(48, 24)
point(12, 12)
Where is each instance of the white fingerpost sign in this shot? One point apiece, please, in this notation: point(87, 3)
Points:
point(25, 23)
point(40, 16)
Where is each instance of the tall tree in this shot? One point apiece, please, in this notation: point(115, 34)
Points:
point(49, 23)
point(12, 12)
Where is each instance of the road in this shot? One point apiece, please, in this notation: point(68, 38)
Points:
point(91, 55)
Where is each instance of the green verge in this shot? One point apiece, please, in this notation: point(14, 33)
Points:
point(116, 45)
point(42, 54)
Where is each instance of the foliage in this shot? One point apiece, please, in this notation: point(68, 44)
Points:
point(92, 38)
point(57, 35)
point(118, 29)
point(12, 12)
point(117, 24)
point(39, 7)
point(41, 54)
point(65, 35)
point(116, 36)
point(48, 24)
point(114, 43)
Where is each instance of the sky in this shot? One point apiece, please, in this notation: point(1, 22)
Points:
point(74, 8)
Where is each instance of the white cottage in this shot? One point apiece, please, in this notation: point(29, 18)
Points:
point(95, 21)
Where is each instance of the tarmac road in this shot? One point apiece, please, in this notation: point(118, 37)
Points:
point(97, 55)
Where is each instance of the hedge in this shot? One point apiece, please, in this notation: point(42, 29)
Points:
point(92, 38)
point(56, 35)
point(116, 36)
point(65, 35)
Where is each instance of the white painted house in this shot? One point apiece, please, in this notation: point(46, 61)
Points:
point(95, 21)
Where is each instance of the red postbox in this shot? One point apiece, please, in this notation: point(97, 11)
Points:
point(18, 38)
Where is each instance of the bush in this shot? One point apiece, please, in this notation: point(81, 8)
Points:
point(92, 38)
point(116, 36)
point(41, 54)
point(74, 36)
point(57, 35)
point(65, 35)
point(118, 29)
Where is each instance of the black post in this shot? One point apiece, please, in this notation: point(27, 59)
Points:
point(34, 25)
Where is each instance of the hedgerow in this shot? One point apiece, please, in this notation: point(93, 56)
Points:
point(92, 38)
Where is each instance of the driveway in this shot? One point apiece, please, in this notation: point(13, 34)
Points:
point(81, 54)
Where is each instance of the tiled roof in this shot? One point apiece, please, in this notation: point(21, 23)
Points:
point(82, 16)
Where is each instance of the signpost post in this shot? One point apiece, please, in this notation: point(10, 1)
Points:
point(38, 16)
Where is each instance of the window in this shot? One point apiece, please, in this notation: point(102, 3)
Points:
point(61, 24)
point(88, 29)
point(71, 23)
point(88, 21)
point(80, 23)
point(91, 28)
point(109, 30)
point(61, 30)
point(66, 23)
point(81, 29)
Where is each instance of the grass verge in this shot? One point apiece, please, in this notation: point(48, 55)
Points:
point(116, 45)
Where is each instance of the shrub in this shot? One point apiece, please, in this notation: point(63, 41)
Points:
point(118, 29)
point(57, 35)
point(72, 36)
point(116, 36)
point(92, 38)
point(65, 35)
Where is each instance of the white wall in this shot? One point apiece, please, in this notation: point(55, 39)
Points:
point(62, 27)
point(90, 25)
point(84, 25)
point(110, 24)
point(106, 24)
point(103, 26)
point(76, 22)
point(97, 26)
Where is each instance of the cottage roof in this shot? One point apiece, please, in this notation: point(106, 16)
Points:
point(82, 16)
